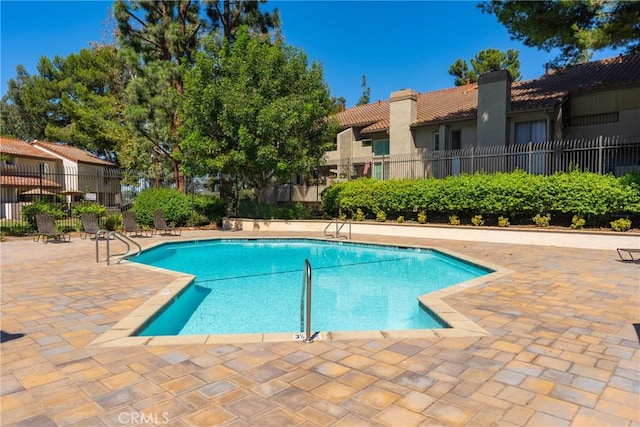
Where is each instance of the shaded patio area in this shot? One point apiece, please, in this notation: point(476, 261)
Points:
point(562, 350)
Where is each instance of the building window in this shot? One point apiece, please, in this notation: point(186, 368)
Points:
point(366, 143)
point(436, 141)
point(381, 170)
point(456, 139)
point(380, 147)
point(526, 132)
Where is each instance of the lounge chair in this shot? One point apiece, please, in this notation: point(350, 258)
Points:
point(629, 254)
point(160, 224)
point(47, 229)
point(130, 226)
point(91, 227)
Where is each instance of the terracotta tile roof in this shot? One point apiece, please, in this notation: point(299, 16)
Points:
point(72, 153)
point(16, 147)
point(456, 103)
point(461, 102)
point(364, 115)
point(27, 181)
point(552, 88)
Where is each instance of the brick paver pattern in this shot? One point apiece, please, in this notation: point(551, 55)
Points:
point(562, 350)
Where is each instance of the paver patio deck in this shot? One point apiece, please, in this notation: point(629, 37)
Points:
point(562, 350)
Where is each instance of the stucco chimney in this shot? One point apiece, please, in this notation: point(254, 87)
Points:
point(403, 111)
point(494, 100)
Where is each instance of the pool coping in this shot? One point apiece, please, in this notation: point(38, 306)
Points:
point(121, 334)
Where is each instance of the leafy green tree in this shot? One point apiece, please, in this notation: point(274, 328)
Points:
point(227, 16)
point(159, 40)
point(576, 28)
point(76, 100)
point(156, 44)
point(89, 89)
point(255, 112)
point(339, 104)
point(366, 92)
point(23, 115)
point(484, 62)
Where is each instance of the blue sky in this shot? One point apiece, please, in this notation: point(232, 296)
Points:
point(395, 44)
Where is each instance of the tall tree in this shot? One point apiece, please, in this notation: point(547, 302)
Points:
point(89, 87)
point(76, 100)
point(366, 92)
point(255, 111)
point(23, 115)
point(484, 62)
point(227, 16)
point(339, 104)
point(576, 28)
point(159, 40)
point(155, 47)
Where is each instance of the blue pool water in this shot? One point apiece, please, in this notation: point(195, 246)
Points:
point(255, 286)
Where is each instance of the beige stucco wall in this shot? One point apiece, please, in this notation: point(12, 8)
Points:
point(467, 132)
point(48, 164)
point(605, 102)
point(423, 138)
point(345, 140)
point(625, 101)
point(629, 124)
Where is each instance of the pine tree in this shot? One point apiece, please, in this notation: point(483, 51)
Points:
point(366, 92)
point(159, 39)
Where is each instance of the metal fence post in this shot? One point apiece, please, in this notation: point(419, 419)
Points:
point(600, 150)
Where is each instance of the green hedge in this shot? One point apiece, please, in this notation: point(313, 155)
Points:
point(511, 195)
point(30, 211)
point(177, 207)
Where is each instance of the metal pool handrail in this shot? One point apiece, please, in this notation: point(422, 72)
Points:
point(124, 239)
point(338, 228)
point(306, 289)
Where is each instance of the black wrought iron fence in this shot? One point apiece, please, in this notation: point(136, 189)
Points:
point(66, 187)
point(617, 155)
point(117, 189)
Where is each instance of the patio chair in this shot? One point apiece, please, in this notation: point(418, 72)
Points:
point(130, 226)
point(629, 254)
point(47, 229)
point(91, 227)
point(160, 224)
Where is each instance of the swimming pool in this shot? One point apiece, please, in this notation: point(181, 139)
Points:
point(254, 286)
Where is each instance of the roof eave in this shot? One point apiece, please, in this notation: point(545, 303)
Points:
point(443, 121)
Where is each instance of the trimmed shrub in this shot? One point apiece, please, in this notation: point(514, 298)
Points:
point(622, 224)
point(113, 222)
point(254, 209)
point(175, 204)
point(89, 208)
point(208, 208)
point(422, 217)
point(477, 220)
point(14, 228)
point(577, 222)
point(516, 195)
point(503, 222)
point(542, 221)
point(29, 212)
